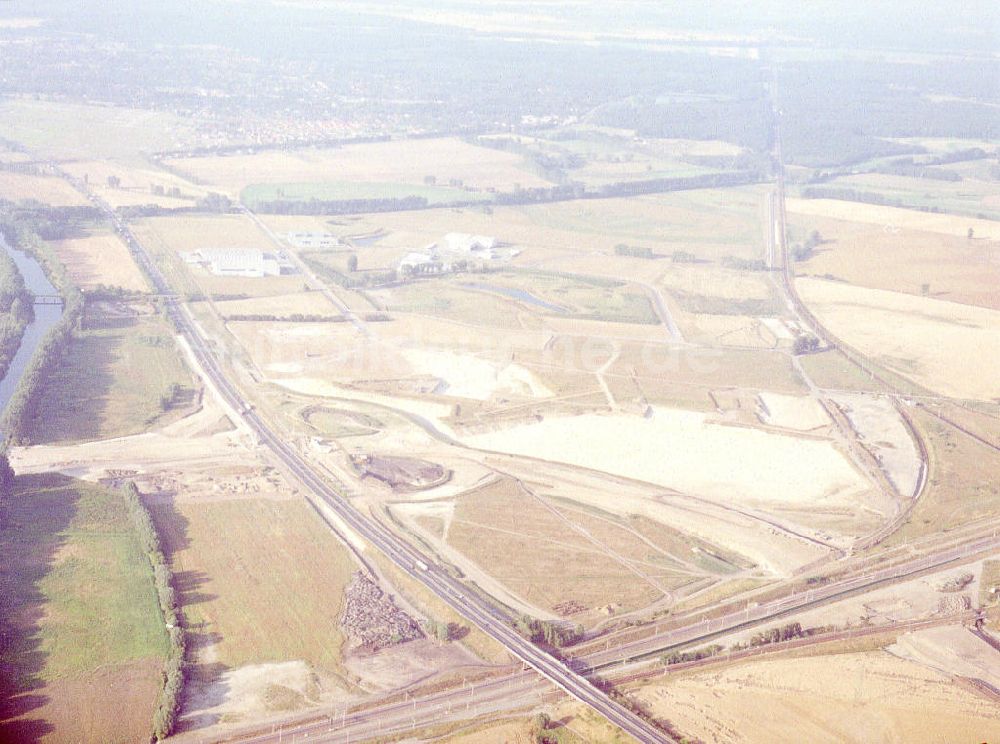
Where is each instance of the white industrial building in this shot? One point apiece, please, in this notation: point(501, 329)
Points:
point(312, 239)
point(241, 262)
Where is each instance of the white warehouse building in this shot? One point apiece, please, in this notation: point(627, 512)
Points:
point(250, 263)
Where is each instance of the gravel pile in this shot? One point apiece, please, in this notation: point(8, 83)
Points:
point(372, 619)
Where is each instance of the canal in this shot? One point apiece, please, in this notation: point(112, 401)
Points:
point(46, 316)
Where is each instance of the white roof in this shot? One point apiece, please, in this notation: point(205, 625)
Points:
point(415, 259)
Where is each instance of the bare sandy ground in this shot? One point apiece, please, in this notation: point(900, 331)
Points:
point(951, 348)
point(857, 697)
point(468, 376)
point(321, 388)
point(407, 664)
point(917, 599)
point(252, 692)
point(682, 450)
point(204, 437)
point(892, 217)
point(800, 412)
point(952, 649)
point(883, 431)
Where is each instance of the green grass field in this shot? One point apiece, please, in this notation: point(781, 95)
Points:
point(80, 615)
point(236, 590)
point(346, 190)
point(70, 546)
point(110, 384)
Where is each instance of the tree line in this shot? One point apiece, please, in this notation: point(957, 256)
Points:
point(547, 632)
point(168, 705)
point(534, 195)
point(16, 310)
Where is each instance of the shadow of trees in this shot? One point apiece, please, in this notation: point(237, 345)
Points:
point(31, 522)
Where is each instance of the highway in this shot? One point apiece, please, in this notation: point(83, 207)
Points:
point(519, 689)
point(451, 591)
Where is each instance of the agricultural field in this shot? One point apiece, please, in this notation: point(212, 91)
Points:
point(585, 562)
point(71, 130)
point(961, 487)
point(49, 190)
point(947, 347)
point(969, 196)
point(122, 183)
point(405, 164)
point(120, 376)
point(233, 590)
point(932, 264)
point(99, 258)
point(857, 696)
point(709, 223)
point(84, 642)
point(280, 306)
point(892, 218)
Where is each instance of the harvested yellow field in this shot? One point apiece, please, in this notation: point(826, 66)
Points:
point(683, 450)
point(50, 190)
point(407, 161)
point(952, 267)
point(100, 258)
point(183, 234)
point(855, 697)
point(895, 217)
point(549, 559)
point(303, 303)
point(714, 281)
point(950, 348)
point(134, 183)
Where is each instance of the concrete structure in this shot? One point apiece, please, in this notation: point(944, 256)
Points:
point(312, 239)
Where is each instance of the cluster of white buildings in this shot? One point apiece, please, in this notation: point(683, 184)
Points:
point(455, 247)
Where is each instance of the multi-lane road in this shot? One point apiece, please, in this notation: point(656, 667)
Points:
point(522, 689)
point(475, 609)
